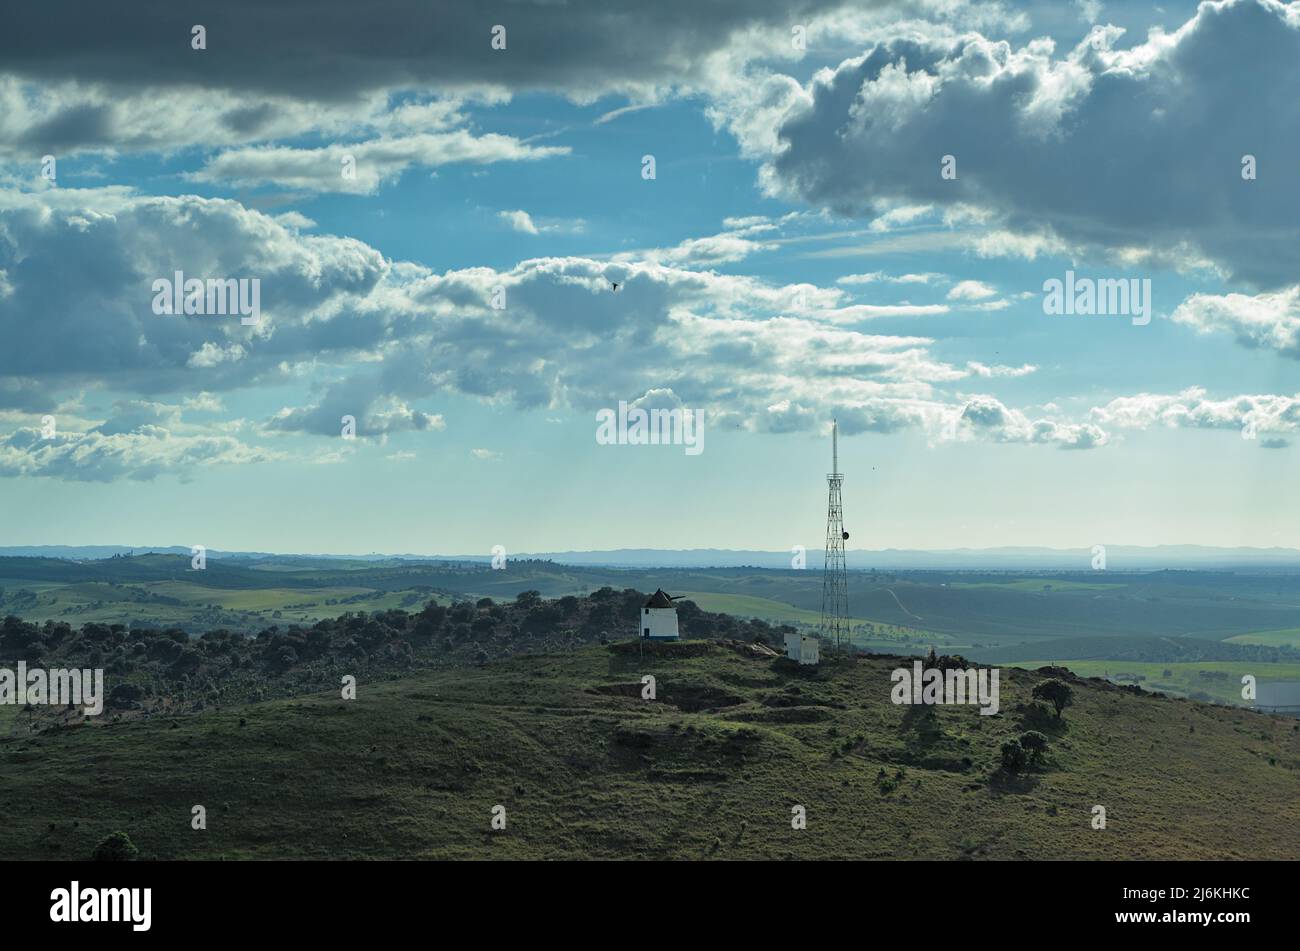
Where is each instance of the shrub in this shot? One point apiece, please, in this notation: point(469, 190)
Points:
point(1013, 755)
point(117, 847)
point(124, 695)
point(1034, 744)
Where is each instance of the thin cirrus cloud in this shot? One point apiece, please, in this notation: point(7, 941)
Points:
point(880, 276)
point(362, 167)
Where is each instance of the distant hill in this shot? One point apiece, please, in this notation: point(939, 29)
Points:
point(712, 768)
point(1118, 557)
point(975, 609)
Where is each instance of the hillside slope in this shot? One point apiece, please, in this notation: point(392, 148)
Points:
point(585, 768)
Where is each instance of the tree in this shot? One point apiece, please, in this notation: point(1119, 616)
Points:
point(124, 695)
point(1013, 755)
point(1035, 744)
point(434, 612)
point(117, 847)
point(1056, 692)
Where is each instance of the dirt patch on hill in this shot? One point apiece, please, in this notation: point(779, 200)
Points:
point(663, 648)
point(688, 698)
point(785, 715)
point(618, 690)
point(697, 698)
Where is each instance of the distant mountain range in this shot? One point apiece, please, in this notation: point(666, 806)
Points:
point(1118, 557)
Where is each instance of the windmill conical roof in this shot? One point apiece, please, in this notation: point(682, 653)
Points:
point(659, 600)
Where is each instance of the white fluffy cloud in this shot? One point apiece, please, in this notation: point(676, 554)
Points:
point(1100, 151)
point(1270, 321)
point(1192, 409)
point(140, 441)
point(380, 340)
point(971, 291)
point(519, 220)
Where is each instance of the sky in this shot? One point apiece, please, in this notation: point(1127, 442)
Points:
point(854, 212)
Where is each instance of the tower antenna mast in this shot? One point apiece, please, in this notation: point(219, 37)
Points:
point(835, 587)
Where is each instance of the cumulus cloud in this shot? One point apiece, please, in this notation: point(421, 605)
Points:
point(382, 337)
point(983, 370)
point(1269, 321)
point(382, 341)
point(139, 442)
point(975, 418)
point(971, 291)
point(101, 327)
point(340, 49)
point(81, 76)
point(375, 415)
point(1105, 144)
point(1192, 409)
point(727, 247)
point(519, 220)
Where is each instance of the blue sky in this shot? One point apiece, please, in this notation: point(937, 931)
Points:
point(797, 256)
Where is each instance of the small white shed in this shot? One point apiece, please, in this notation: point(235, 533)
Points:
point(802, 648)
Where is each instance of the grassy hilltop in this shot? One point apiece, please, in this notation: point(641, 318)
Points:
point(585, 768)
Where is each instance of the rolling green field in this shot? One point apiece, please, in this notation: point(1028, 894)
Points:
point(196, 606)
point(1040, 585)
point(956, 609)
point(711, 768)
point(1197, 625)
point(1219, 680)
point(774, 612)
point(1288, 638)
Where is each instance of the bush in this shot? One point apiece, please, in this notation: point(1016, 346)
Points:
point(118, 847)
point(124, 695)
point(1034, 744)
point(1013, 755)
